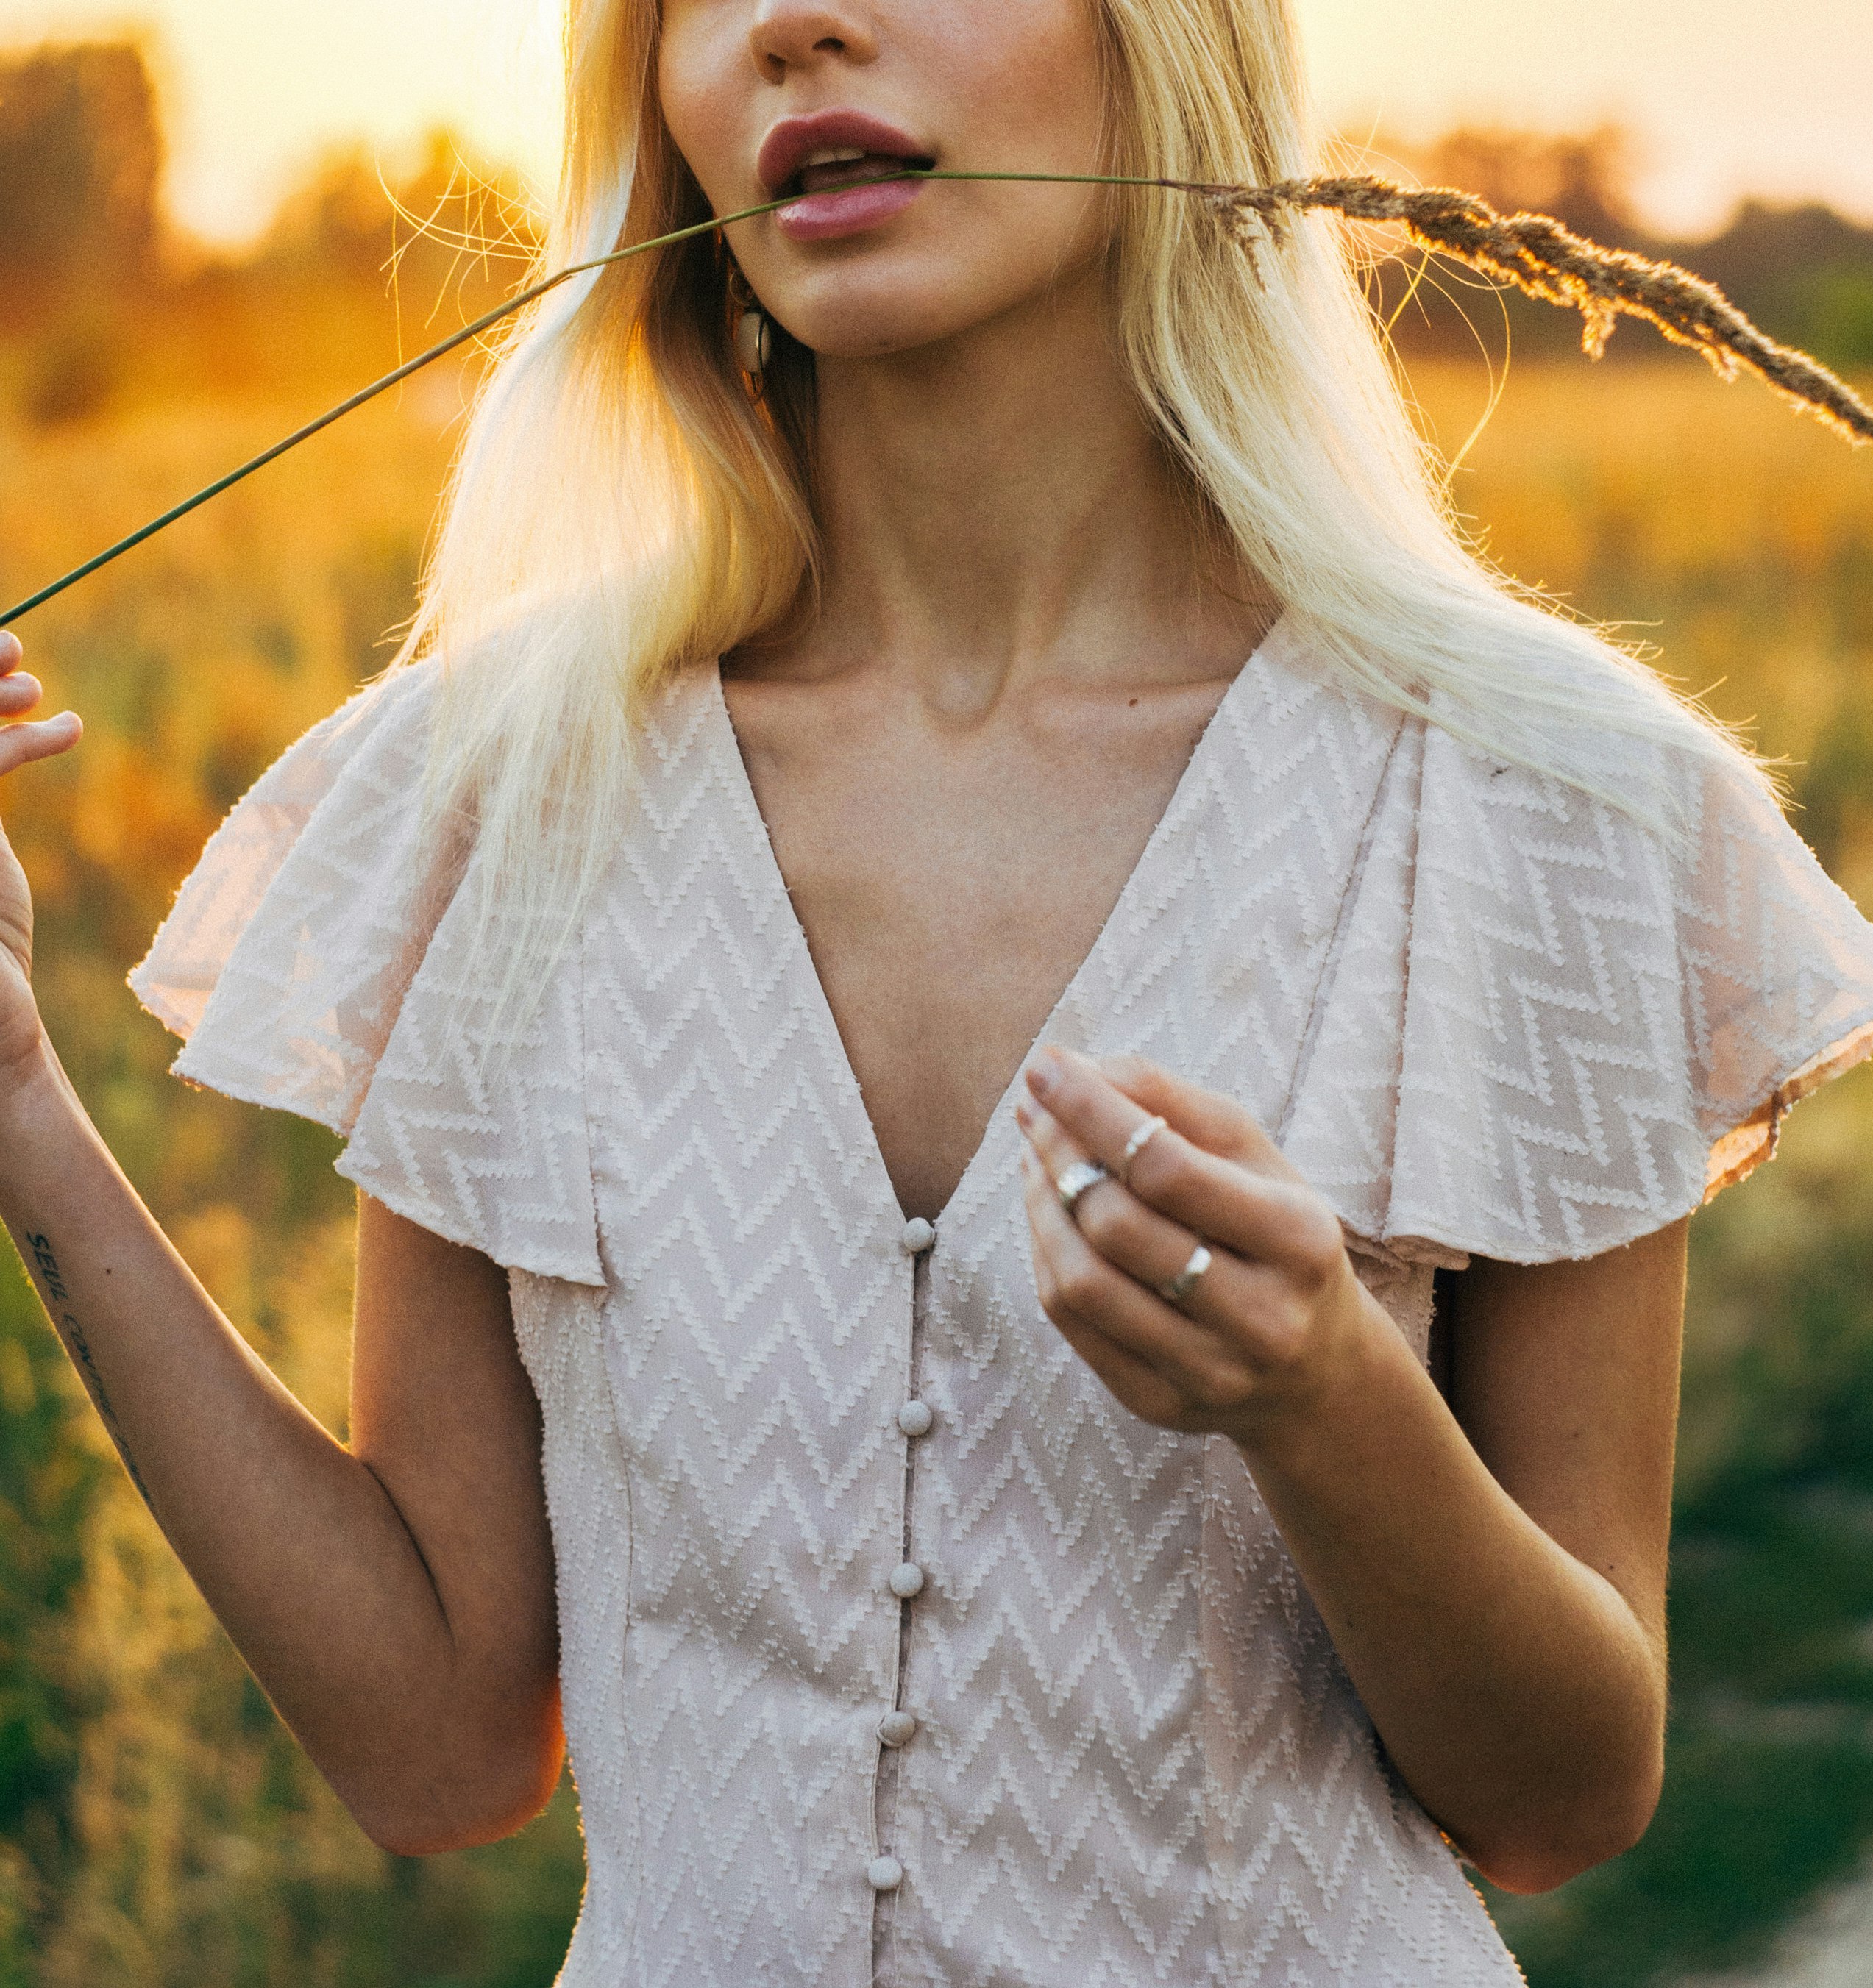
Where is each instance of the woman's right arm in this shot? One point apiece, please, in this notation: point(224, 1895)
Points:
point(394, 1598)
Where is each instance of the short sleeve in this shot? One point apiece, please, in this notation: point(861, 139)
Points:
point(318, 960)
point(1550, 1031)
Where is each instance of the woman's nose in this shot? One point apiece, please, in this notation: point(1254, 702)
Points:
point(788, 35)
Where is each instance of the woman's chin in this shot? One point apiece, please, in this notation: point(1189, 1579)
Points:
point(854, 337)
point(872, 321)
point(847, 346)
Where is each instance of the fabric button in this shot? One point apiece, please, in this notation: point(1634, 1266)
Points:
point(915, 1418)
point(884, 1873)
point(917, 1237)
point(898, 1729)
point(906, 1580)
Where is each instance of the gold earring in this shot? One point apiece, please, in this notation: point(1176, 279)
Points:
point(754, 344)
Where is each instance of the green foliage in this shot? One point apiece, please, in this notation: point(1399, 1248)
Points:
point(1838, 303)
point(48, 1481)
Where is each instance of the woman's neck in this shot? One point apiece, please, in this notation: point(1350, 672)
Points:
point(998, 509)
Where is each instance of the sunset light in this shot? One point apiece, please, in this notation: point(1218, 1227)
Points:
point(1719, 109)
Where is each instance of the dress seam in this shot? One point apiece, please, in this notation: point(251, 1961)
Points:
point(1342, 923)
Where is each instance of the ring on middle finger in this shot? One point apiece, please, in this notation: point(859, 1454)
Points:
point(1147, 1130)
point(1074, 1182)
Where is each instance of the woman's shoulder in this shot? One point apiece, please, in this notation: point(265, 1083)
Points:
point(314, 844)
point(1563, 1014)
point(317, 960)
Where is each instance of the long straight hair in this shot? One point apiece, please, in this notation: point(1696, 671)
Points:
point(622, 510)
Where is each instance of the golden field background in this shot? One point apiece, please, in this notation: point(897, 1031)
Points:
point(157, 1828)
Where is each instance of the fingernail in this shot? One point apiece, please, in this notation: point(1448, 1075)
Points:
point(1024, 1114)
point(1044, 1072)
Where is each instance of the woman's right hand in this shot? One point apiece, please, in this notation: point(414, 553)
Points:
point(19, 1016)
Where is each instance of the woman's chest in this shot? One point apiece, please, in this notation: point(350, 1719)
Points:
point(951, 877)
point(723, 1097)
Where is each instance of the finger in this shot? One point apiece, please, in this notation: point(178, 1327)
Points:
point(12, 654)
point(1208, 1119)
point(21, 744)
point(1270, 1217)
point(1088, 1099)
point(1130, 1336)
point(1118, 1226)
point(1246, 1300)
point(1059, 1150)
point(1130, 1379)
point(1283, 1225)
point(1141, 1241)
point(19, 691)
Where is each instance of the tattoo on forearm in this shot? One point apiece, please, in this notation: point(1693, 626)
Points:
point(65, 1322)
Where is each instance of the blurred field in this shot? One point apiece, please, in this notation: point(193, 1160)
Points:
point(156, 1828)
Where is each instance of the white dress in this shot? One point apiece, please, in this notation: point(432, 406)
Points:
point(1106, 1742)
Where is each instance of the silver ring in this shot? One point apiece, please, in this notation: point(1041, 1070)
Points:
point(1082, 1175)
point(1178, 1290)
point(1136, 1144)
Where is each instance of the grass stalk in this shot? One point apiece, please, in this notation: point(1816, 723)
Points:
point(1533, 252)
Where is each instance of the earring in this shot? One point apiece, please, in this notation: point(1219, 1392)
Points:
point(754, 344)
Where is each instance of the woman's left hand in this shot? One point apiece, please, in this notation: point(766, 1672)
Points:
point(1277, 1318)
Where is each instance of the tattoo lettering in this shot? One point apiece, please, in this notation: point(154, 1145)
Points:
point(48, 1267)
point(66, 1322)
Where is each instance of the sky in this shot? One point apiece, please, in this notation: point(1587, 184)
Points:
point(1724, 101)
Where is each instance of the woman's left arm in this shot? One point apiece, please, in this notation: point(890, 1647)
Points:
point(1491, 1569)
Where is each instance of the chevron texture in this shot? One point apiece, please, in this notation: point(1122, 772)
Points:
point(1482, 1017)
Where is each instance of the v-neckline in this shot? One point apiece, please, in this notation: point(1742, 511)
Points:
point(740, 787)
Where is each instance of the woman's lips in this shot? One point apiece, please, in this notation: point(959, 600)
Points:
point(851, 206)
point(836, 158)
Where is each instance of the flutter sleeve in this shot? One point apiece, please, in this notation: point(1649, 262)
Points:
point(1550, 1031)
point(317, 959)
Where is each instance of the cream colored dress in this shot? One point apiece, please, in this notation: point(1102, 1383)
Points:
point(1106, 1742)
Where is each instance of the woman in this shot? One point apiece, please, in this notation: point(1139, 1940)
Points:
point(908, 1101)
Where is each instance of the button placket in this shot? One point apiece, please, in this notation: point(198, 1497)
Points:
point(897, 1726)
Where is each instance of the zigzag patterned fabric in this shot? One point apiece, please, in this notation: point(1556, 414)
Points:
point(894, 1650)
point(1550, 1033)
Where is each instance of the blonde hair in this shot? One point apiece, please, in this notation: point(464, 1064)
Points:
point(622, 510)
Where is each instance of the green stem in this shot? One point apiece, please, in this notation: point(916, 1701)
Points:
point(485, 322)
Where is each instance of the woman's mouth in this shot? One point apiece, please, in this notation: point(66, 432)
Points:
point(843, 172)
point(847, 191)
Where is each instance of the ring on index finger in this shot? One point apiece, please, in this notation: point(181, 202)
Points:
point(1074, 1182)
